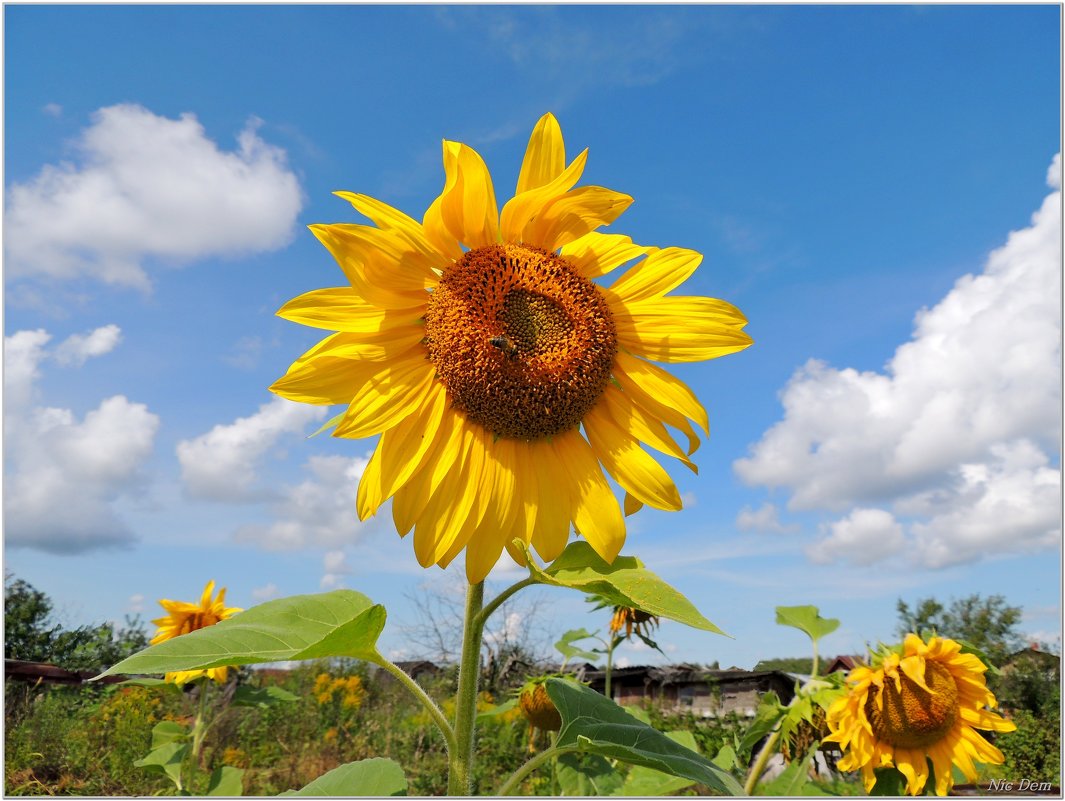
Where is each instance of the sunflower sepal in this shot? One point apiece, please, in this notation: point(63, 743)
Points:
point(623, 582)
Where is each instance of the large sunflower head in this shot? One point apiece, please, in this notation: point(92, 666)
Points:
point(500, 374)
point(182, 617)
point(917, 703)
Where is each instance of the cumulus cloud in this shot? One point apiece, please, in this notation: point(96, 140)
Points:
point(143, 188)
point(78, 348)
point(222, 464)
point(64, 474)
point(863, 537)
point(765, 518)
point(265, 593)
point(319, 511)
point(955, 432)
point(335, 564)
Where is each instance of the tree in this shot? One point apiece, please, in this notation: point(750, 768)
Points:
point(988, 624)
point(31, 634)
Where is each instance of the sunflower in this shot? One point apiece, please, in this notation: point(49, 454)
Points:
point(183, 617)
point(917, 703)
point(629, 618)
point(478, 345)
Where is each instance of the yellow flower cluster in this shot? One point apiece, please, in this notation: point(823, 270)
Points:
point(348, 689)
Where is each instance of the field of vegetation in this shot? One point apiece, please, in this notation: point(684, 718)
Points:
point(87, 739)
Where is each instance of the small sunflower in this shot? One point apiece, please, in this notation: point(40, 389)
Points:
point(182, 617)
point(917, 703)
point(478, 344)
point(631, 619)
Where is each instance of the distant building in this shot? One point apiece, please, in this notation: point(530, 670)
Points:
point(691, 688)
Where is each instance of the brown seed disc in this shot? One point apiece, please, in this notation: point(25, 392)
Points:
point(523, 343)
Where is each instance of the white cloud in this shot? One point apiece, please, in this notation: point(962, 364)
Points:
point(765, 518)
point(136, 604)
point(863, 537)
point(221, 464)
point(319, 511)
point(265, 593)
point(144, 187)
point(958, 425)
point(77, 348)
point(52, 109)
point(62, 474)
point(335, 564)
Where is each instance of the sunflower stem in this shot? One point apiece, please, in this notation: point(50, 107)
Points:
point(518, 776)
point(500, 599)
point(760, 762)
point(416, 690)
point(460, 759)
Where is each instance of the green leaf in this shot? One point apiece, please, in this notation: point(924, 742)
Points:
point(565, 645)
point(792, 780)
point(226, 780)
point(367, 778)
point(165, 759)
point(726, 758)
point(766, 717)
point(338, 623)
point(889, 781)
point(586, 775)
point(168, 731)
point(643, 781)
point(807, 619)
point(262, 697)
point(626, 582)
point(497, 710)
point(639, 713)
point(597, 725)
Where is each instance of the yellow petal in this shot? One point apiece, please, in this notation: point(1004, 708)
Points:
point(410, 500)
point(656, 275)
point(631, 466)
point(545, 157)
point(386, 399)
point(595, 511)
point(596, 254)
point(500, 521)
point(678, 329)
point(653, 385)
point(524, 207)
point(390, 219)
point(643, 426)
point(342, 309)
point(526, 488)
point(468, 203)
point(575, 214)
point(325, 380)
point(632, 505)
point(445, 514)
point(377, 265)
point(399, 453)
point(554, 503)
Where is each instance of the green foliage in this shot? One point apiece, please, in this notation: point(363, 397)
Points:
point(597, 725)
point(799, 664)
point(32, 635)
point(1030, 681)
point(367, 778)
point(626, 582)
point(569, 651)
point(1033, 751)
point(226, 781)
point(989, 624)
point(587, 775)
point(338, 623)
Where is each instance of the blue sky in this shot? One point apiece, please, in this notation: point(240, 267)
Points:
point(877, 188)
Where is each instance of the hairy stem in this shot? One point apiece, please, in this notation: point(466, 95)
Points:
point(760, 762)
point(416, 690)
point(460, 759)
point(516, 778)
point(500, 599)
